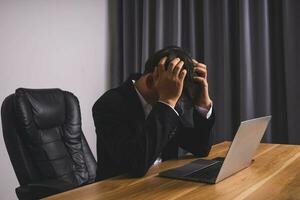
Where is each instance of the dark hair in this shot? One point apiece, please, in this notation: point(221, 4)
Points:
point(171, 52)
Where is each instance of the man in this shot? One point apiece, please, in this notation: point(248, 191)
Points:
point(154, 116)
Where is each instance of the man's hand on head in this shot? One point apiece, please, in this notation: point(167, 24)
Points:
point(169, 81)
point(202, 98)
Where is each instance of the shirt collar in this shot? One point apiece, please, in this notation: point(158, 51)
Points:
point(146, 106)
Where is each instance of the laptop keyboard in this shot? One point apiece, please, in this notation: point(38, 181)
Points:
point(209, 173)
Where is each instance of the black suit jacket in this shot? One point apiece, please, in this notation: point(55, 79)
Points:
point(129, 143)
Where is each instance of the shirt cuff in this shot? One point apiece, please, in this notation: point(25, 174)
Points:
point(204, 111)
point(169, 106)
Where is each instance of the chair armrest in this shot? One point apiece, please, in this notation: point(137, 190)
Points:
point(43, 189)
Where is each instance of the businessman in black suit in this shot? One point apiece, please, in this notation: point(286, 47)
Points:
point(154, 116)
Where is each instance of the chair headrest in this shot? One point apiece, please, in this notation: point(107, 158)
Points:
point(45, 107)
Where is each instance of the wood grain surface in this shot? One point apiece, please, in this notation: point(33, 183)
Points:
point(275, 174)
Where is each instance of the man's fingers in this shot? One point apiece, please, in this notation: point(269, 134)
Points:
point(195, 61)
point(200, 71)
point(162, 61)
point(161, 65)
point(199, 64)
point(200, 80)
point(172, 64)
point(177, 68)
point(182, 74)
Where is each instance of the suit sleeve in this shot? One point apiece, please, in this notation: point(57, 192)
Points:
point(197, 139)
point(133, 147)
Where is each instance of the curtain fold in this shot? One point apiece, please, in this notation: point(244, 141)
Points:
point(251, 49)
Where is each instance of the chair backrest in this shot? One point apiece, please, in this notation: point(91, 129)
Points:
point(44, 139)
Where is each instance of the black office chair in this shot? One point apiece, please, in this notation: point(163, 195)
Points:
point(45, 143)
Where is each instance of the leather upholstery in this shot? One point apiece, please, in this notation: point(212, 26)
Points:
point(43, 136)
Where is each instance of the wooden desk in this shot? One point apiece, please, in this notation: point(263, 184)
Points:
point(275, 174)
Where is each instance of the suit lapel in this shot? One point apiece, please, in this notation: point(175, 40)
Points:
point(136, 111)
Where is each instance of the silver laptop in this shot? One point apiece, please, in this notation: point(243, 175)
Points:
point(238, 157)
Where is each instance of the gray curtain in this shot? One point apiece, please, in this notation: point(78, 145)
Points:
point(251, 48)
